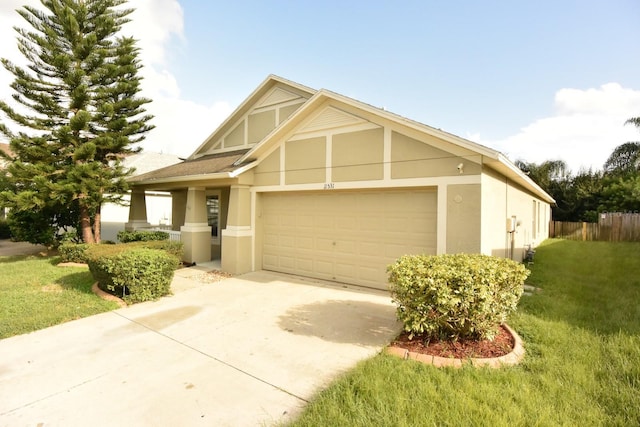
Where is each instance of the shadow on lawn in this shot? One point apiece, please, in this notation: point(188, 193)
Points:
point(80, 281)
point(14, 258)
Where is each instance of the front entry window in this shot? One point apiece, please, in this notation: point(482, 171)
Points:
point(213, 214)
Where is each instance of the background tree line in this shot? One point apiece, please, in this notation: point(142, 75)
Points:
point(581, 197)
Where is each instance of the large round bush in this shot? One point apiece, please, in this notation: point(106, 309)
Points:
point(455, 296)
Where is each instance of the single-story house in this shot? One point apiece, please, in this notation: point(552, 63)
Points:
point(314, 183)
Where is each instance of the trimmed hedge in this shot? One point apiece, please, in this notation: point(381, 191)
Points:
point(141, 236)
point(134, 272)
point(73, 252)
point(455, 296)
point(169, 246)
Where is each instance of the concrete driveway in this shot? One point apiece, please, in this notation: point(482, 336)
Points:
point(250, 350)
point(10, 248)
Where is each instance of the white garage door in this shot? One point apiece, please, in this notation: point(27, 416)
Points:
point(348, 237)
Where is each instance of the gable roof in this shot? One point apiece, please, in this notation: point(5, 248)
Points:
point(269, 83)
point(233, 163)
point(492, 158)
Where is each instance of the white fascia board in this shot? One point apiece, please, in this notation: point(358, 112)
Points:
point(243, 169)
point(186, 178)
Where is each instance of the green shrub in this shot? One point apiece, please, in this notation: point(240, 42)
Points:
point(133, 272)
point(98, 257)
point(170, 246)
point(5, 231)
point(141, 236)
point(455, 296)
point(73, 252)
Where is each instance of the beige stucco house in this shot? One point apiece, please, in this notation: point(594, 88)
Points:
point(317, 184)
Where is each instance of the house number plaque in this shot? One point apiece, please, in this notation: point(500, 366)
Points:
point(329, 186)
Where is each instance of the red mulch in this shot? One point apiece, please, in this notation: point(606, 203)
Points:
point(461, 349)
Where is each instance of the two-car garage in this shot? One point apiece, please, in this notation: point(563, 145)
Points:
point(346, 236)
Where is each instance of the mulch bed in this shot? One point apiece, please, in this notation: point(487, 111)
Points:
point(502, 344)
point(213, 276)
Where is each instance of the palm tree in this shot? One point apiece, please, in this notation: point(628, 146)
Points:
point(546, 173)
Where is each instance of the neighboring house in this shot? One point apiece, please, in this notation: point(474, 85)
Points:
point(321, 185)
point(159, 205)
point(3, 164)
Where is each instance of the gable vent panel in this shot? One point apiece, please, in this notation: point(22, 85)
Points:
point(277, 96)
point(330, 118)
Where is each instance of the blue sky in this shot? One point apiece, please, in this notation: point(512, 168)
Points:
point(488, 67)
point(536, 80)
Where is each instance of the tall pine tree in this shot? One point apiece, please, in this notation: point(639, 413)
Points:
point(81, 112)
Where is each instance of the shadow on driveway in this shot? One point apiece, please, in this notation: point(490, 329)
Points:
point(340, 321)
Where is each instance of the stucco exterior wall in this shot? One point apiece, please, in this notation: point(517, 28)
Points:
point(373, 154)
point(236, 137)
point(357, 156)
point(268, 171)
point(411, 158)
point(503, 199)
point(260, 124)
point(305, 161)
point(495, 239)
point(463, 218)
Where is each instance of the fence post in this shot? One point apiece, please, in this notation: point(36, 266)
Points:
point(584, 231)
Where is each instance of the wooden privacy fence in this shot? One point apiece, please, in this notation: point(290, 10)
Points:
point(611, 227)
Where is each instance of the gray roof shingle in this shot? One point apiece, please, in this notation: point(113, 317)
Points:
point(215, 163)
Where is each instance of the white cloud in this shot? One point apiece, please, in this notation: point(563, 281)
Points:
point(586, 127)
point(181, 125)
point(154, 23)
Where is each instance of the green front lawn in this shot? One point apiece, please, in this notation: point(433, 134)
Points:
point(35, 294)
point(582, 367)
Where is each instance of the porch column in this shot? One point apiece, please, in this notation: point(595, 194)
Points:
point(137, 211)
point(178, 208)
point(236, 237)
point(196, 233)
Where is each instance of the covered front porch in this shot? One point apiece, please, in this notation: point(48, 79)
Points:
point(213, 223)
point(211, 212)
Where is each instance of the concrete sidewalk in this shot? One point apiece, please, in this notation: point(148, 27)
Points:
point(249, 350)
point(10, 248)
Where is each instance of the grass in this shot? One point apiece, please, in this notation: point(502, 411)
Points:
point(582, 367)
point(35, 294)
